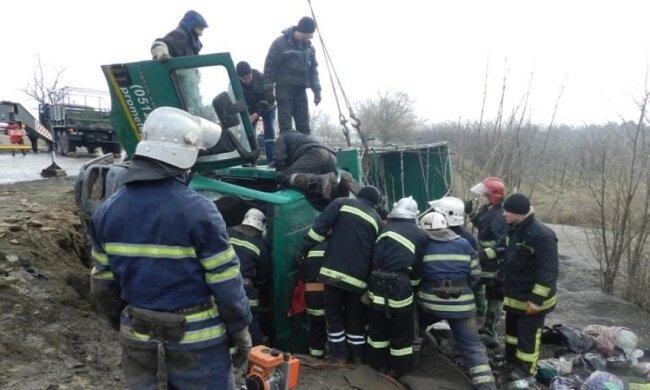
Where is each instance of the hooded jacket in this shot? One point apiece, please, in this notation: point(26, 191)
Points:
point(291, 63)
point(258, 100)
point(183, 41)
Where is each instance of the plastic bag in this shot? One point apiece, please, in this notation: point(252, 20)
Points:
point(572, 382)
point(568, 336)
point(602, 380)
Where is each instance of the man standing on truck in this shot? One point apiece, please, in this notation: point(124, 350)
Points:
point(350, 226)
point(260, 103)
point(184, 40)
point(255, 260)
point(163, 270)
point(291, 67)
point(531, 271)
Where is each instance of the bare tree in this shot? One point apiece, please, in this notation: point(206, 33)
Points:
point(390, 118)
point(42, 89)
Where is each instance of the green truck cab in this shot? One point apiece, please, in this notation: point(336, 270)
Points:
point(208, 86)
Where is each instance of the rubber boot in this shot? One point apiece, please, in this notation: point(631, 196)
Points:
point(479, 300)
point(489, 329)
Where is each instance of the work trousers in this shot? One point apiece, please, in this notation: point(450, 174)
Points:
point(494, 306)
point(269, 134)
point(292, 103)
point(315, 301)
point(472, 350)
point(523, 342)
point(390, 339)
point(346, 317)
point(257, 336)
point(207, 368)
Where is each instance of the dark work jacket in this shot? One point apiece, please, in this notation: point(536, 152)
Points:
point(183, 41)
point(253, 253)
point(291, 145)
point(291, 63)
point(351, 226)
point(492, 228)
point(258, 100)
point(398, 250)
point(310, 267)
point(464, 233)
point(158, 259)
point(453, 260)
point(530, 267)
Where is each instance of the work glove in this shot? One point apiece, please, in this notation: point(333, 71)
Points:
point(244, 343)
point(161, 57)
point(532, 309)
point(365, 298)
point(317, 98)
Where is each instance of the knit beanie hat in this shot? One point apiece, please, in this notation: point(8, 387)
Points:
point(243, 69)
point(370, 193)
point(307, 25)
point(517, 203)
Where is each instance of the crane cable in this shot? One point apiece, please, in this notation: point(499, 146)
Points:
point(356, 122)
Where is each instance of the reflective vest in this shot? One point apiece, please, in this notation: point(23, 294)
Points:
point(254, 259)
point(454, 261)
point(161, 246)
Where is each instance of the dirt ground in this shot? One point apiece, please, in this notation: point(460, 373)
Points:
point(51, 337)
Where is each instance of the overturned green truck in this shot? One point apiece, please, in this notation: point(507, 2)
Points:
point(208, 86)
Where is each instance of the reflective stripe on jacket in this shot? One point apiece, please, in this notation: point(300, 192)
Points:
point(492, 228)
point(531, 266)
point(160, 246)
point(456, 261)
point(351, 227)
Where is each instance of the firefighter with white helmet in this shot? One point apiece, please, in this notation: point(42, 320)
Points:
point(450, 269)
point(492, 228)
point(396, 262)
point(254, 256)
point(454, 211)
point(162, 261)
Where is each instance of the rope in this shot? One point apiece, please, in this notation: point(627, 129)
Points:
point(356, 123)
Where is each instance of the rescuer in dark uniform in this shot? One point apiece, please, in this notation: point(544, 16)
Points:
point(396, 266)
point(351, 226)
point(315, 298)
point(454, 211)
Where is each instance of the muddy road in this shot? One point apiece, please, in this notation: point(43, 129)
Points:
point(52, 338)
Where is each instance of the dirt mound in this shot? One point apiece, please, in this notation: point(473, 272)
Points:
point(51, 336)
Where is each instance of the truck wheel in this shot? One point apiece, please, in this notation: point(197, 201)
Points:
point(91, 149)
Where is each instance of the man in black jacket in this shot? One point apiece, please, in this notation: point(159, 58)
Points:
point(305, 163)
point(291, 66)
point(531, 272)
point(181, 41)
point(260, 103)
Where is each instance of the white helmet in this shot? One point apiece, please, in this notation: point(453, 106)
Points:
point(404, 208)
point(174, 136)
point(452, 208)
point(433, 221)
point(256, 219)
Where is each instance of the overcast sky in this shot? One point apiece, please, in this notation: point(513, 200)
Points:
point(436, 51)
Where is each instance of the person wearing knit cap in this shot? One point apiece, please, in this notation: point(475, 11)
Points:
point(291, 67)
point(260, 103)
point(531, 272)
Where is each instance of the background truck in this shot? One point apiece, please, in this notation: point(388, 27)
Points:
point(82, 119)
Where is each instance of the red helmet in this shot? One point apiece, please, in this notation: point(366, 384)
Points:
point(492, 187)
